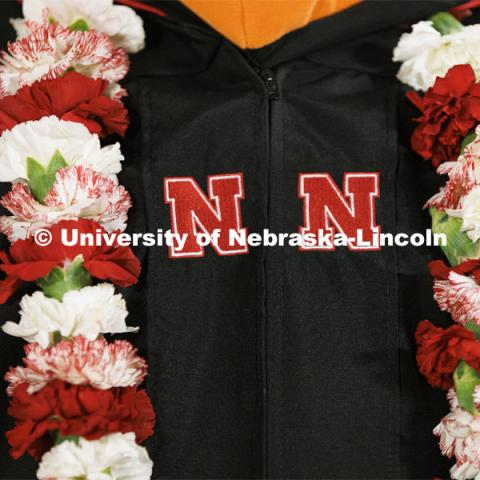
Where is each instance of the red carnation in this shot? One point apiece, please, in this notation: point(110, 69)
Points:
point(439, 352)
point(441, 271)
point(72, 97)
point(451, 109)
point(27, 261)
point(75, 410)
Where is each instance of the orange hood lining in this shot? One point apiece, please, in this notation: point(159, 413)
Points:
point(253, 24)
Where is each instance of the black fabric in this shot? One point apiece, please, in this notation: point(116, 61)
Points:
point(278, 364)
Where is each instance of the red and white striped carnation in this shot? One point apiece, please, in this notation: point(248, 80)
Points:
point(465, 471)
point(459, 434)
point(119, 22)
point(50, 50)
point(79, 361)
point(461, 180)
point(469, 213)
point(463, 177)
point(460, 296)
point(78, 192)
point(472, 150)
point(453, 399)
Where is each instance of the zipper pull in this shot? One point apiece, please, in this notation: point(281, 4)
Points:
point(270, 81)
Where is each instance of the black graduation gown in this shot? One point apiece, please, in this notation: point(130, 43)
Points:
point(279, 363)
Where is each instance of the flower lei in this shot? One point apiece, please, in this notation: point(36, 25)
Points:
point(77, 402)
point(441, 61)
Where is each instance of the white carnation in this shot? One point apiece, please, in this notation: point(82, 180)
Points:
point(115, 456)
point(427, 54)
point(40, 139)
point(119, 22)
point(90, 312)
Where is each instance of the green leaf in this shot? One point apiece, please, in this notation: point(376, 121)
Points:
point(61, 280)
point(466, 379)
point(36, 179)
point(459, 245)
point(446, 23)
point(58, 438)
point(80, 25)
point(41, 179)
point(57, 337)
point(56, 163)
point(469, 138)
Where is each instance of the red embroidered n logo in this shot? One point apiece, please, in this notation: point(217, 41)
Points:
point(194, 213)
point(327, 209)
